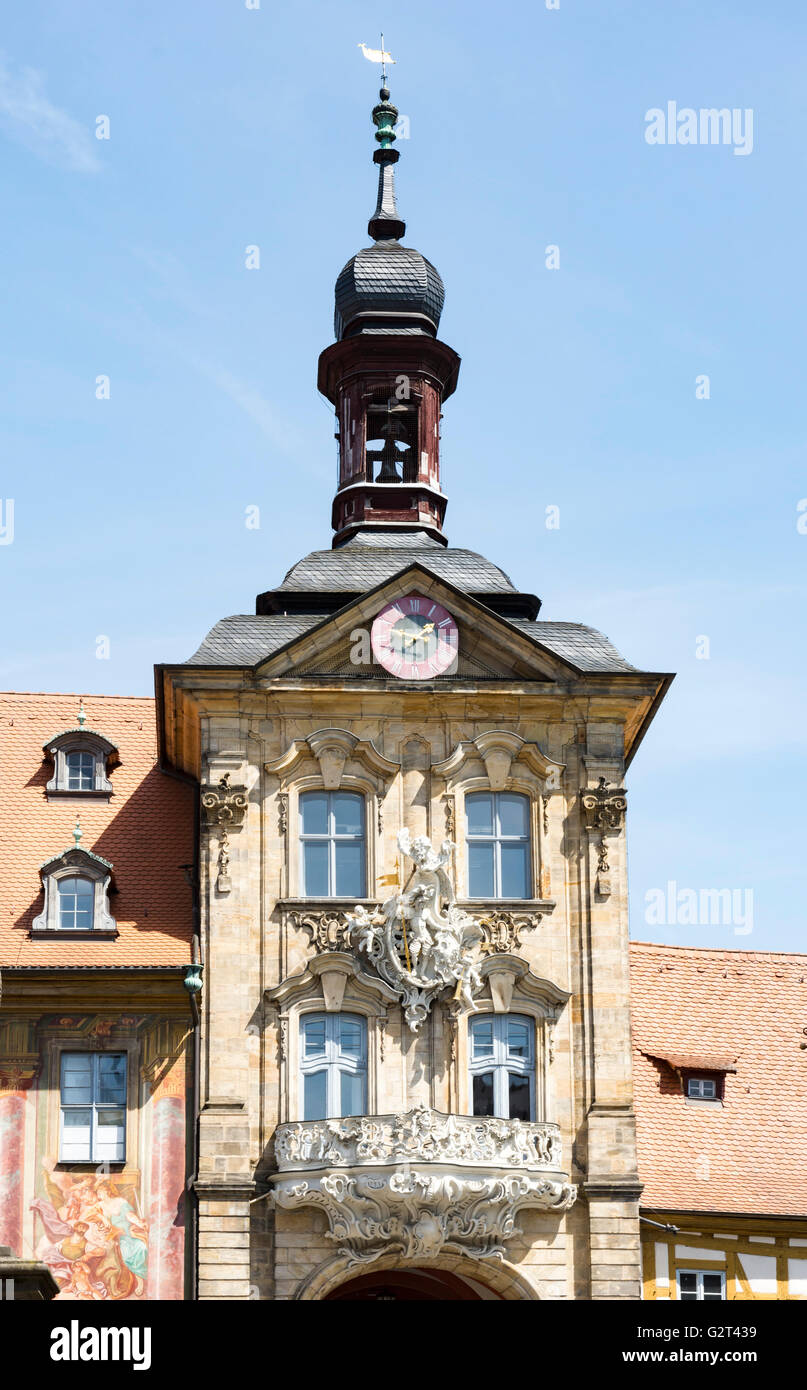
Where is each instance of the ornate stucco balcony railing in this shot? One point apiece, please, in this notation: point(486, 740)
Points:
point(420, 1182)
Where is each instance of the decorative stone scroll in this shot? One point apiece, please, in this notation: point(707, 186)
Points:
point(328, 931)
point(502, 931)
point(499, 750)
point(604, 807)
point(420, 942)
point(332, 749)
point(604, 813)
point(419, 1135)
point(224, 806)
point(470, 1178)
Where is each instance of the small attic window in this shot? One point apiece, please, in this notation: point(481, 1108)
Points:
point(702, 1088)
point(81, 759)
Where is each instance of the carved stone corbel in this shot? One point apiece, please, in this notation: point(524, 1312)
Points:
point(603, 809)
point(502, 983)
point(224, 806)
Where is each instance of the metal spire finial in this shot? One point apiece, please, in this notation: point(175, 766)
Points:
point(81, 714)
point(385, 223)
point(78, 832)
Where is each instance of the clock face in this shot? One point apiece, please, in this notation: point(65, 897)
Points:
point(415, 638)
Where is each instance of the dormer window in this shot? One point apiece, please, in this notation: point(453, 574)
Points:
point(77, 884)
point(82, 759)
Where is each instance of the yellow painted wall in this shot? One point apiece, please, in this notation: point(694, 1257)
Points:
point(762, 1258)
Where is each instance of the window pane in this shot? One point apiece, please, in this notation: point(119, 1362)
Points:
point(347, 813)
point(80, 770)
point(351, 1037)
point(513, 814)
point(111, 1079)
point(482, 1037)
point(314, 1095)
point(518, 1038)
point(314, 1037)
point(110, 1135)
point(314, 809)
point(520, 1098)
point(76, 1078)
point(515, 876)
point(480, 871)
point(688, 1287)
point(352, 1093)
point(483, 1094)
point(712, 1286)
point(76, 1135)
point(349, 857)
point(315, 869)
point(479, 810)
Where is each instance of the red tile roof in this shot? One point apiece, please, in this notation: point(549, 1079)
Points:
point(145, 830)
point(748, 1153)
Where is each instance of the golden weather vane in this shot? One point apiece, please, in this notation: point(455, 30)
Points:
point(378, 55)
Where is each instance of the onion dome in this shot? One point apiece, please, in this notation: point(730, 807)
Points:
point(387, 288)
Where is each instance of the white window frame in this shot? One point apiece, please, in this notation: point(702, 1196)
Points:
point(93, 1154)
point(94, 746)
point(497, 840)
point(699, 1082)
point(500, 1062)
point(333, 1061)
point(332, 839)
point(698, 1276)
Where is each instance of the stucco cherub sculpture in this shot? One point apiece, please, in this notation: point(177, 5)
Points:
point(421, 942)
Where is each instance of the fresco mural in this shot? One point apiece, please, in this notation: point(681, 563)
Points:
point(105, 1231)
point(95, 1239)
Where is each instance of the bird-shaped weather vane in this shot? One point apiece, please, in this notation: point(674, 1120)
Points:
point(378, 55)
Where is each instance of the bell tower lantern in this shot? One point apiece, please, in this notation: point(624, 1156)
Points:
point(388, 374)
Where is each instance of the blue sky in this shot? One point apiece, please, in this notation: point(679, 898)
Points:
point(232, 127)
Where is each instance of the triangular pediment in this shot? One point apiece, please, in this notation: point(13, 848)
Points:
point(489, 649)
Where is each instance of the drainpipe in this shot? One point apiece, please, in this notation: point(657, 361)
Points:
point(193, 984)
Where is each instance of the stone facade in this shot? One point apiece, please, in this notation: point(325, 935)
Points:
point(271, 954)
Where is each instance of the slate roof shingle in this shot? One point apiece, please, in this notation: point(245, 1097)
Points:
point(368, 560)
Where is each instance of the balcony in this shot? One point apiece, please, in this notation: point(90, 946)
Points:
point(422, 1182)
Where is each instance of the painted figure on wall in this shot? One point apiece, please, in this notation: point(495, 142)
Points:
point(95, 1239)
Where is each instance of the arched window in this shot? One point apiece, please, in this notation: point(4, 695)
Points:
point(76, 903)
point(502, 1052)
point(333, 1065)
point(332, 844)
point(498, 838)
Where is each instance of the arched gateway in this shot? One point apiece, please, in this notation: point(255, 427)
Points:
point(392, 1278)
